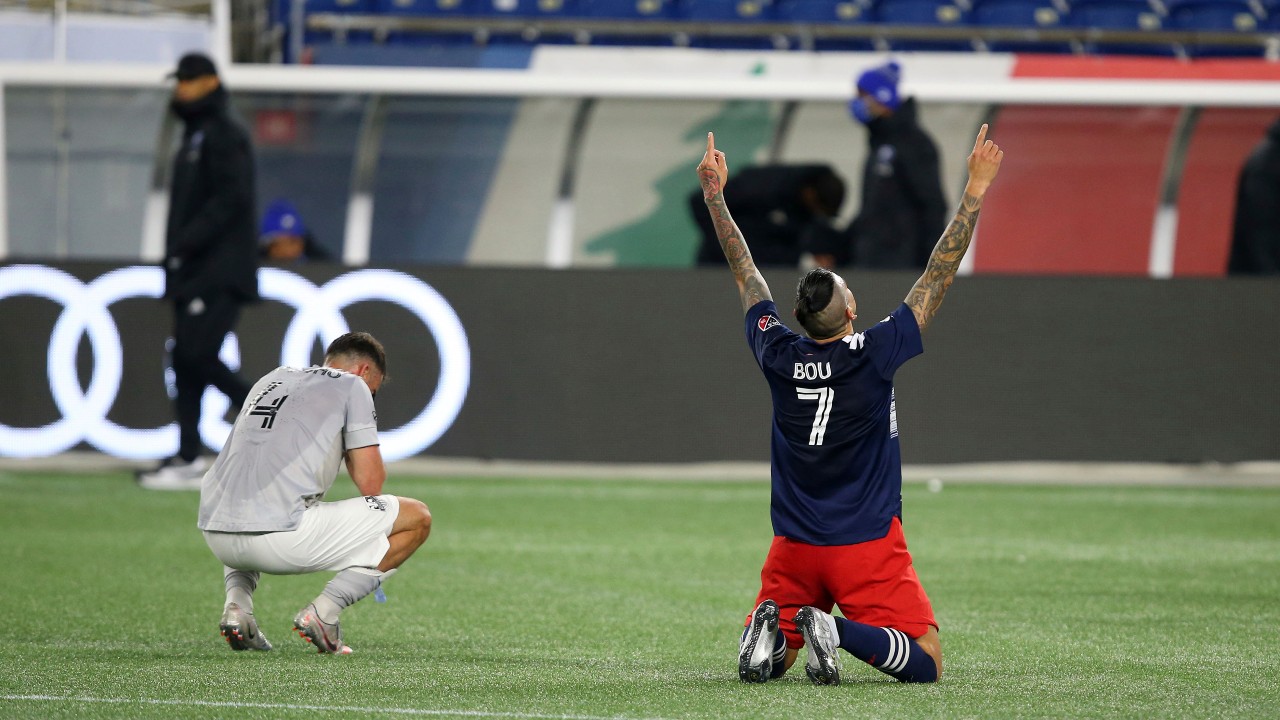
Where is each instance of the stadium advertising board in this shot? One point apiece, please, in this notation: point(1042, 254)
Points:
point(85, 313)
point(627, 365)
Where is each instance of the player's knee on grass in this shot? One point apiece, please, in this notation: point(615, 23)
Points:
point(414, 517)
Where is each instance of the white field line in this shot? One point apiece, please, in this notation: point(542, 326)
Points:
point(1264, 474)
point(307, 708)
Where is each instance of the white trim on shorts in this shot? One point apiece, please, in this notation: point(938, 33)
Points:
point(332, 536)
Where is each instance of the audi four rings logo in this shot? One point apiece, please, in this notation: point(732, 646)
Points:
point(319, 315)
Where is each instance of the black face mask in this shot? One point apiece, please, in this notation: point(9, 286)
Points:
point(195, 109)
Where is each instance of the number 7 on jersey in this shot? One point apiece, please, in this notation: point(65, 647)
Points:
point(826, 397)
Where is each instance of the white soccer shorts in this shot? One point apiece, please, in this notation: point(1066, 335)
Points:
point(332, 536)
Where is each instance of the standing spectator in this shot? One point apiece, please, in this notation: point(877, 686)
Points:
point(210, 259)
point(285, 237)
point(903, 211)
point(1255, 239)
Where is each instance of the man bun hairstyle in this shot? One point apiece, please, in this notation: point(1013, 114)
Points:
point(814, 310)
point(355, 345)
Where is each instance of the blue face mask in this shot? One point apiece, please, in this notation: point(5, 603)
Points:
point(859, 110)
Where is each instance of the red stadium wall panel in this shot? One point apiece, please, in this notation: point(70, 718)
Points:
point(1222, 140)
point(1112, 67)
point(1079, 194)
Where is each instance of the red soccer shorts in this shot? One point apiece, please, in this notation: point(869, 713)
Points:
point(871, 582)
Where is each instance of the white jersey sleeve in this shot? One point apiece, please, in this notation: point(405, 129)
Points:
point(361, 429)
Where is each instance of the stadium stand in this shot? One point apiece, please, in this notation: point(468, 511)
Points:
point(923, 14)
point(1225, 15)
point(1136, 27)
point(1030, 15)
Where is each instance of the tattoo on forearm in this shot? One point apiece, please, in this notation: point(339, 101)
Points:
point(929, 290)
point(751, 286)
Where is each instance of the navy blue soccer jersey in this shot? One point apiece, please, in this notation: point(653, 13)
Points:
point(837, 468)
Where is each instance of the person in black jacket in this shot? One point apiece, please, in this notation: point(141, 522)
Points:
point(211, 256)
point(788, 210)
point(903, 211)
point(1255, 237)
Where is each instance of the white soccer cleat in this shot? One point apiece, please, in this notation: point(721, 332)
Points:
point(755, 654)
point(241, 630)
point(175, 474)
point(819, 630)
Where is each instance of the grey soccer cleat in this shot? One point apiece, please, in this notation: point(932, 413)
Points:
point(755, 654)
point(819, 630)
point(327, 638)
point(241, 630)
point(174, 474)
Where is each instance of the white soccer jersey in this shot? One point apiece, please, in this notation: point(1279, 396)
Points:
point(285, 449)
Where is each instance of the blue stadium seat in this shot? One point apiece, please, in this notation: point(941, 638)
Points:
point(1114, 15)
point(340, 6)
point(632, 9)
point(1119, 15)
point(726, 13)
point(734, 10)
point(1015, 14)
point(1029, 14)
point(426, 7)
point(1269, 15)
point(1216, 15)
point(937, 13)
point(822, 11)
point(1211, 15)
point(637, 10)
point(530, 8)
point(828, 13)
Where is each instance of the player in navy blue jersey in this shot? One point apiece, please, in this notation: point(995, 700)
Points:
point(837, 471)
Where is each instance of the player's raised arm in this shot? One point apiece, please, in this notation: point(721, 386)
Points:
point(712, 173)
point(926, 296)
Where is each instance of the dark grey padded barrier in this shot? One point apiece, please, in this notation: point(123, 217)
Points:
point(651, 366)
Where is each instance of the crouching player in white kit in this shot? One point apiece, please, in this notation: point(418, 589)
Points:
point(260, 503)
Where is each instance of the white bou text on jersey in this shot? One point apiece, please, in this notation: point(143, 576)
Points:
point(812, 371)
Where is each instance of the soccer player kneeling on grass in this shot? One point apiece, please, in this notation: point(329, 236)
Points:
point(260, 503)
point(836, 466)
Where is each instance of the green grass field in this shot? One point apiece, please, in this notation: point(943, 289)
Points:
point(603, 599)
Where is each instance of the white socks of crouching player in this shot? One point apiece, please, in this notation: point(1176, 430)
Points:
point(240, 585)
point(345, 589)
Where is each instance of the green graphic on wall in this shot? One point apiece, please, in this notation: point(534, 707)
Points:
point(668, 236)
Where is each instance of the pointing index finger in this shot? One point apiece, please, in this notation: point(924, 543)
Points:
point(711, 142)
point(982, 137)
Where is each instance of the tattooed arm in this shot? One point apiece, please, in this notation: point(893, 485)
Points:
point(926, 296)
point(712, 173)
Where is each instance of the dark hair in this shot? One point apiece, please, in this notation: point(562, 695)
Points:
point(359, 345)
point(813, 298)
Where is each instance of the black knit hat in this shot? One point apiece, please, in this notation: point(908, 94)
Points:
point(194, 65)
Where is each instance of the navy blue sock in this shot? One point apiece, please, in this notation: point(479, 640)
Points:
point(887, 650)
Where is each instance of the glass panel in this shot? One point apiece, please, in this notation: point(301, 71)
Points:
point(79, 169)
point(304, 147)
point(32, 171)
point(437, 163)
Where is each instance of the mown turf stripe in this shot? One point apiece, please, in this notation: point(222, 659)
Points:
point(309, 708)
